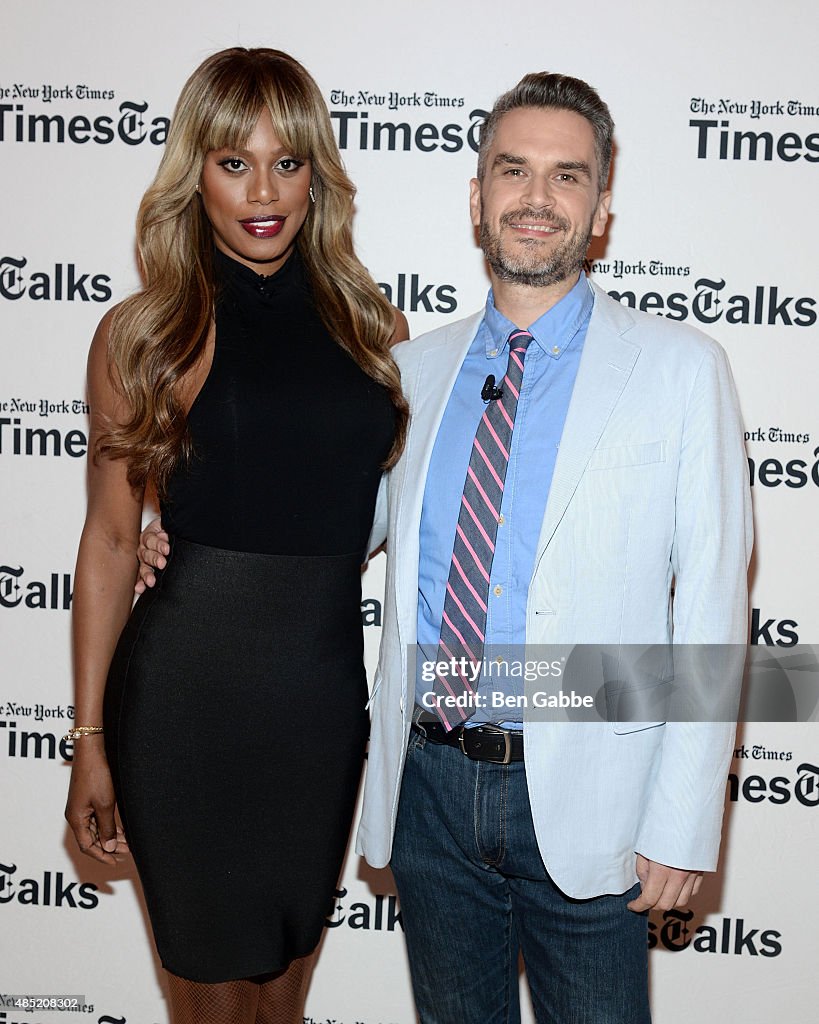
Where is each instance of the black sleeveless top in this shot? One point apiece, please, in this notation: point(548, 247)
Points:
point(288, 432)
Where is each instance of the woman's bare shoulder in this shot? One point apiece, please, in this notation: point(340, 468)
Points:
point(401, 332)
point(101, 371)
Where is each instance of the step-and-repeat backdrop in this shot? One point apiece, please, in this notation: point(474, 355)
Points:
point(714, 223)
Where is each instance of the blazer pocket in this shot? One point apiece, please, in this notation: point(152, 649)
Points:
point(637, 704)
point(622, 455)
point(623, 728)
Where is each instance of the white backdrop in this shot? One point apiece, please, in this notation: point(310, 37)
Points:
point(714, 221)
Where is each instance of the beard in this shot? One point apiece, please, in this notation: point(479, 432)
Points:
point(528, 266)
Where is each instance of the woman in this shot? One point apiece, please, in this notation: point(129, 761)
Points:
point(250, 381)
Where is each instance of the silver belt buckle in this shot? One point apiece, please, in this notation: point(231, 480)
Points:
point(461, 735)
point(496, 730)
point(507, 747)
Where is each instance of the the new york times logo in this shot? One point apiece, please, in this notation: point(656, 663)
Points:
point(130, 125)
point(717, 139)
point(765, 305)
point(48, 92)
point(779, 790)
point(46, 406)
point(731, 937)
point(774, 470)
point(53, 593)
point(45, 889)
point(63, 283)
point(759, 752)
point(392, 99)
point(355, 130)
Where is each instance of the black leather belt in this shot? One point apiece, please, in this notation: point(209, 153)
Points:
point(480, 743)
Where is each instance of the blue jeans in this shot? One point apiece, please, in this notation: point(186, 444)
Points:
point(475, 893)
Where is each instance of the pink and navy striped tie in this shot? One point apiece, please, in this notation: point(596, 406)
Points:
point(467, 591)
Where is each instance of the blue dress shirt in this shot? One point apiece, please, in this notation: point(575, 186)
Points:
point(552, 361)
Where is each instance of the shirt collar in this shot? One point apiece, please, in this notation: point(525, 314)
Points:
point(554, 332)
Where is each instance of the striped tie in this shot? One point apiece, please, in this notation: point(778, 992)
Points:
point(467, 590)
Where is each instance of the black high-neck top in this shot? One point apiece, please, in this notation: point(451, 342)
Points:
point(288, 433)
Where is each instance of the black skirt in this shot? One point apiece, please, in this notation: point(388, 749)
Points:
point(235, 728)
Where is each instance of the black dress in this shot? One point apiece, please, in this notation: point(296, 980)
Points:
point(234, 715)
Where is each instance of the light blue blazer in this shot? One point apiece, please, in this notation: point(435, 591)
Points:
point(650, 487)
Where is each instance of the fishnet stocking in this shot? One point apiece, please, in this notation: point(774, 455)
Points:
point(269, 999)
point(229, 1002)
point(281, 999)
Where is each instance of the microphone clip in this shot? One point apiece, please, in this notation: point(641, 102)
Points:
point(489, 393)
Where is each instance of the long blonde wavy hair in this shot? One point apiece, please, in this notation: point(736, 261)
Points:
point(159, 334)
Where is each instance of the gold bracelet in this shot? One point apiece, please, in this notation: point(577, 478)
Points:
point(82, 730)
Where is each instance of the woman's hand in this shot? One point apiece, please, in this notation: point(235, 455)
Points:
point(90, 806)
point(154, 545)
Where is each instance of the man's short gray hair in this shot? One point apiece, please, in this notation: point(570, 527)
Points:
point(559, 92)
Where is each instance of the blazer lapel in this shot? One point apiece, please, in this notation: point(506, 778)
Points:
point(605, 366)
point(428, 382)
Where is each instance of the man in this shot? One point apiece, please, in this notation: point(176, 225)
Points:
point(555, 509)
point(621, 469)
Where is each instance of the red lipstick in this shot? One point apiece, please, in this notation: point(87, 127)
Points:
point(263, 227)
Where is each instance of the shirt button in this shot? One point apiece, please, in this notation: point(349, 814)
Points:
point(501, 520)
point(498, 591)
point(556, 350)
point(494, 352)
point(499, 660)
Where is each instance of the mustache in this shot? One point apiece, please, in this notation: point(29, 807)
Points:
point(531, 215)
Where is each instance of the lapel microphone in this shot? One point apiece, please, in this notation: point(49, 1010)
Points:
point(489, 393)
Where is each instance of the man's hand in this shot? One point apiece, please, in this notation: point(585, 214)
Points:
point(154, 545)
point(663, 887)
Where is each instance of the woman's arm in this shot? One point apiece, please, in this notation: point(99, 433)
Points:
point(103, 591)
